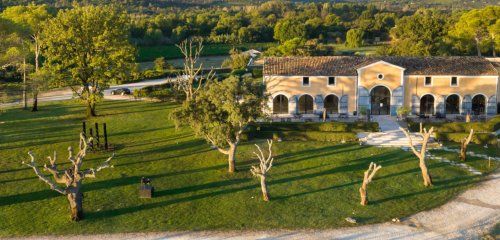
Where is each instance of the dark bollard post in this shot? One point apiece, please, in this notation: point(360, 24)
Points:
point(84, 129)
point(105, 136)
point(92, 136)
point(97, 134)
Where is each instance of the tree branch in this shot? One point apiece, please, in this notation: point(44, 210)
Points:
point(42, 177)
point(405, 131)
point(91, 173)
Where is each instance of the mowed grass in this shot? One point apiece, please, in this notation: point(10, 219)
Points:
point(313, 185)
point(482, 164)
point(150, 53)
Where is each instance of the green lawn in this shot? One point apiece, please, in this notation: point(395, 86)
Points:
point(342, 49)
point(480, 163)
point(150, 53)
point(312, 185)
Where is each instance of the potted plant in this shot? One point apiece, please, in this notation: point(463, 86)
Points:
point(403, 112)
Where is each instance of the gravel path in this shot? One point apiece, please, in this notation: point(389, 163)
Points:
point(469, 216)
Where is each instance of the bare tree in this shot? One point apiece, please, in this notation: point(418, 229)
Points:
point(421, 155)
point(264, 166)
point(463, 145)
point(192, 79)
point(369, 174)
point(71, 178)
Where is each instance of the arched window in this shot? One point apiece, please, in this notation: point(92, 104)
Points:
point(306, 104)
point(453, 104)
point(331, 104)
point(478, 105)
point(280, 104)
point(427, 104)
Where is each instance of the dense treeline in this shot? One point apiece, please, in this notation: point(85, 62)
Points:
point(275, 20)
point(150, 6)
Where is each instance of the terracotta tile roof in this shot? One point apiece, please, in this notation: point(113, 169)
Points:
point(347, 65)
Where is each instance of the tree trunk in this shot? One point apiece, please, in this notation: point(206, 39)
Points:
point(478, 48)
point(425, 173)
point(493, 45)
point(463, 151)
point(363, 194)
point(231, 159)
point(35, 102)
point(76, 205)
point(25, 97)
point(91, 109)
point(263, 186)
point(37, 66)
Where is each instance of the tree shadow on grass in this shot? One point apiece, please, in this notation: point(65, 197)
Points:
point(159, 140)
point(226, 183)
point(438, 186)
point(142, 110)
point(93, 186)
point(298, 156)
point(200, 187)
point(120, 211)
point(186, 145)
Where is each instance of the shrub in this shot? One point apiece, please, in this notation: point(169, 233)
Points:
point(478, 138)
point(403, 111)
point(308, 136)
point(333, 127)
point(460, 127)
point(257, 73)
point(161, 92)
point(321, 127)
point(238, 72)
point(276, 136)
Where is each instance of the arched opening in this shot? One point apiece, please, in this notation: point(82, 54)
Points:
point(280, 104)
point(453, 104)
point(306, 104)
point(478, 105)
point(331, 104)
point(427, 104)
point(380, 97)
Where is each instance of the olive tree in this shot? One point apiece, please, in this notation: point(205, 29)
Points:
point(191, 80)
point(463, 145)
point(426, 135)
point(265, 164)
point(72, 177)
point(221, 111)
point(367, 178)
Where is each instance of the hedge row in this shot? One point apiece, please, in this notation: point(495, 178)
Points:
point(461, 127)
point(320, 127)
point(478, 138)
point(303, 136)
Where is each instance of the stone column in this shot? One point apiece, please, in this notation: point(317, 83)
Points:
point(466, 105)
point(292, 104)
point(397, 100)
point(441, 104)
point(318, 104)
point(344, 104)
point(491, 106)
point(415, 105)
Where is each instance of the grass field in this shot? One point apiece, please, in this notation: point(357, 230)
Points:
point(342, 49)
point(150, 53)
point(313, 185)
